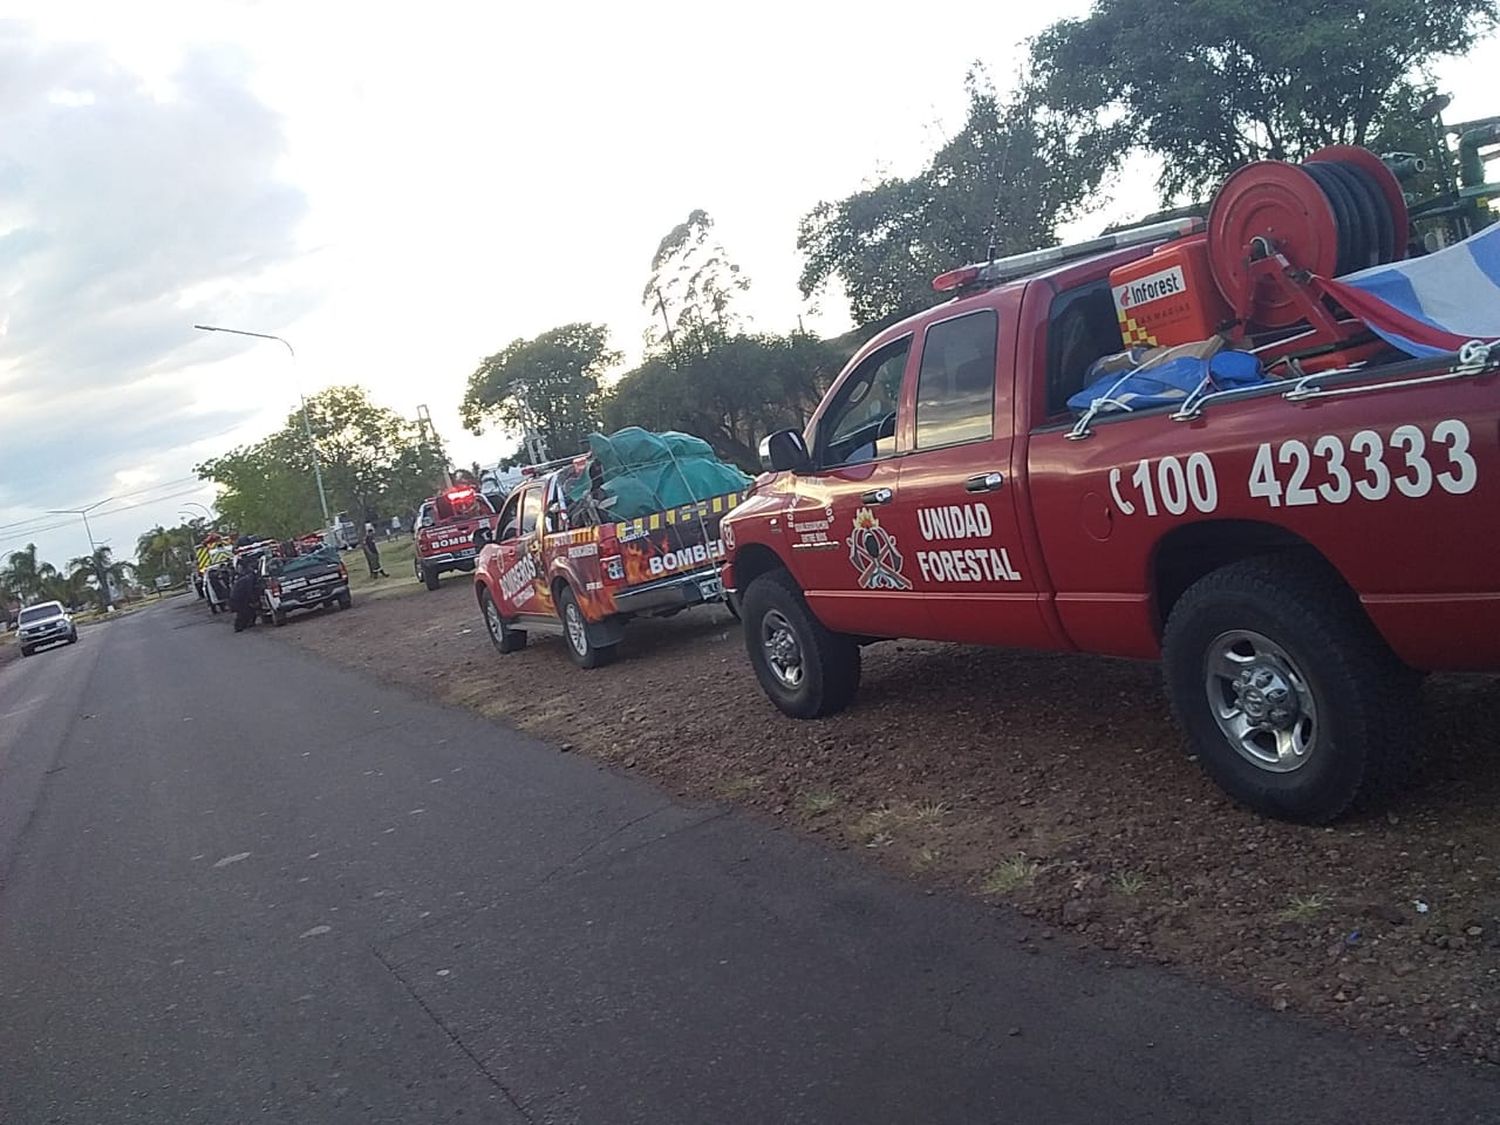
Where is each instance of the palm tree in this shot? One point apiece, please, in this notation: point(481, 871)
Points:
point(168, 551)
point(101, 567)
point(26, 576)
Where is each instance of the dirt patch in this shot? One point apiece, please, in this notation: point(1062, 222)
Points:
point(1054, 783)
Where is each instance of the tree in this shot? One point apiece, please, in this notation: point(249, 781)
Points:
point(691, 286)
point(168, 552)
point(1002, 184)
point(93, 577)
point(371, 459)
point(731, 394)
point(1211, 84)
point(26, 576)
point(549, 385)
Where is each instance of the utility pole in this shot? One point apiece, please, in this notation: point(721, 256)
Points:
point(306, 425)
point(430, 434)
point(105, 601)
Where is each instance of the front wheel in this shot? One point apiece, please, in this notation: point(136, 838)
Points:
point(25, 651)
point(1293, 701)
point(581, 648)
point(505, 639)
point(278, 617)
point(346, 601)
point(807, 670)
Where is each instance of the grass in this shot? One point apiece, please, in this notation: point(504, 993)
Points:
point(1010, 875)
point(925, 858)
point(877, 822)
point(1129, 883)
point(1304, 908)
point(739, 786)
point(395, 560)
point(928, 812)
point(816, 802)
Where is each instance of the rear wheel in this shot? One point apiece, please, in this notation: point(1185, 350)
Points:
point(807, 670)
point(502, 636)
point(1293, 701)
point(581, 648)
point(430, 576)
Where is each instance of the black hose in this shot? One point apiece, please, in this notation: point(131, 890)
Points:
point(1364, 225)
point(1343, 214)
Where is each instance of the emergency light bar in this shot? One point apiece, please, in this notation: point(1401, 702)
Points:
point(1033, 261)
point(459, 494)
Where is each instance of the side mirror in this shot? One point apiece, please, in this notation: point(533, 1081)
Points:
point(785, 451)
point(483, 534)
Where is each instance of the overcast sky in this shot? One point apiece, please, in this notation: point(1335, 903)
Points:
point(401, 192)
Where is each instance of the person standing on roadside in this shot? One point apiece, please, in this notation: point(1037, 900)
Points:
point(244, 596)
point(372, 554)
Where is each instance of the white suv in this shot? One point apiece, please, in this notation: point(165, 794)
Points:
point(44, 624)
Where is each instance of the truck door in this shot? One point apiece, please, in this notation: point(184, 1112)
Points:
point(848, 548)
point(966, 558)
point(517, 569)
point(533, 532)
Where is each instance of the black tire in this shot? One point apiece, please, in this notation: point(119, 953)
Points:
point(346, 601)
point(213, 606)
point(827, 664)
point(505, 639)
point(278, 617)
point(430, 577)
point(1351, 703)
point(581, 649)
point(26, 651)
point(73, 640)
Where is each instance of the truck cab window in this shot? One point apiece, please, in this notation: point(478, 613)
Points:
point(1081, 327)
point(510, 518)
point(860, 423)
point(531, 510)
point(956, 382)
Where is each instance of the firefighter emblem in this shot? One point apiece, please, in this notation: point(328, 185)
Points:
point(873, 553)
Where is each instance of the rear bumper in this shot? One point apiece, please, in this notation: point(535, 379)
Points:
point(312, 598)
point(452, 560)
point(678, 592)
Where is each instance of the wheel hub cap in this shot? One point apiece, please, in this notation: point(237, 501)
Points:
point(1261, 701)
point(576, 632)
point(783, 652)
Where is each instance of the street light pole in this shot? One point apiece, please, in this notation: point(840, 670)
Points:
point(306, 425)
point(99, 575)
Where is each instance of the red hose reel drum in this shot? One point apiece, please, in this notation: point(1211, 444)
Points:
point(1340, 211)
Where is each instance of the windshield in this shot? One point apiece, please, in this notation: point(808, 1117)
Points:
point(40, 612)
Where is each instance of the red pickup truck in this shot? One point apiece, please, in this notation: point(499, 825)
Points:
point(1292, 552)
point(446, 526)
point(569, 566)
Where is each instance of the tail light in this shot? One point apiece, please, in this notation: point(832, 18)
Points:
point(343, 571)
point(275, 587)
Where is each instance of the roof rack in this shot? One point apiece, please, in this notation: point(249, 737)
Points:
point(1033, 261)
point(545, 466)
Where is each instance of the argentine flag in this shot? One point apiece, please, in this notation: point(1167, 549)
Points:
point(1433, 305)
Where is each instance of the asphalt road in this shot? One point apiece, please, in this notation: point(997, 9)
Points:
point(237, 884)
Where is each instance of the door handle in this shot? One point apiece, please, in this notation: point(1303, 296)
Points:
point(878, 496)
point(984, 482)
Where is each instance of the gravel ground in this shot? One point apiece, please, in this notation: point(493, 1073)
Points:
point(1057, 784)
